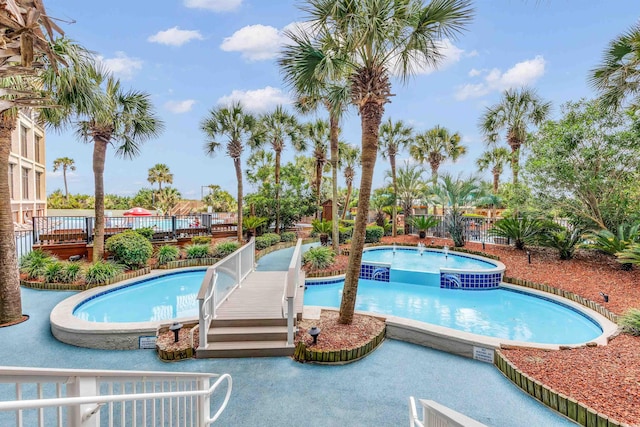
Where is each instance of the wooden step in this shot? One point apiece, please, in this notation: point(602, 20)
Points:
point(245, 349)
point(248, 333)
point(247, 321)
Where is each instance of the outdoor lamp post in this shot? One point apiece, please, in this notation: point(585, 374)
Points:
point(314, 332)
point(175, 327)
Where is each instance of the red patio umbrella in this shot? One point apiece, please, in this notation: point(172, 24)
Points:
point(137, 212)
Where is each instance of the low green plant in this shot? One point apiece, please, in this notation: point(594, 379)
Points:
point(619, 244)
point(197, 251)
point(201, 240)
point(101, 272)
point(288, 236)
point(53, 272)
point(400, 231)
point(630, 322)
point(373, 234)
point(319, 257)
point(344, 234)
point(224, 249)
point(251, 223)
point(130, 248)
point(347, 223)
point(146, 232)
point(262, 242)
point(273, 238)
point(523, 231)
point(423, 223)
point(565, 241)
point(71, 272)
point(34, 263)
point(168, 253)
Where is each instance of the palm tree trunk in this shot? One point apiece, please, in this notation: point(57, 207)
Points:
point(64, 177)
point(99, 157)
point(333, 137)
point(237, 162)
point(277, 173)
point(371, 114)
point(496, 182)
point(347, 199)
point(10, 298)
point(318, 186)
point(394, 213)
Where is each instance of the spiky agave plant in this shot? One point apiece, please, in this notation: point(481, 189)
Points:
point(523, 231)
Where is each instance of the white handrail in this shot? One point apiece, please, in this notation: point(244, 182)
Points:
point(435, 414)
point(291, 288)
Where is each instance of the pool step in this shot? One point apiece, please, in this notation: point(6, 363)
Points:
point(245, 349)
point(247, 333)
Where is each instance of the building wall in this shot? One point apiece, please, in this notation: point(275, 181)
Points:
point(27, 171)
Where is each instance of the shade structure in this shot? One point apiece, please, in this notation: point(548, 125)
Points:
point(137, 212)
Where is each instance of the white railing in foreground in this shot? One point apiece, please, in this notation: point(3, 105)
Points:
point(93, 398)
point(220, 280)
point(437, 415)
point(291, 288)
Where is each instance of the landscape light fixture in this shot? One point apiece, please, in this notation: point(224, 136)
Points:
point(314, 332)
point(605, 296)
point(529, 256)
point(175, 327)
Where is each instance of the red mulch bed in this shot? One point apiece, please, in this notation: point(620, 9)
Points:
point(334, 336)
point(605, 378)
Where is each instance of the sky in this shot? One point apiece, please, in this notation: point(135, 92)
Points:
point(195, 55)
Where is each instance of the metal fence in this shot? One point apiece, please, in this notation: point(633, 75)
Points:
point(24, 242)
point(476, 229)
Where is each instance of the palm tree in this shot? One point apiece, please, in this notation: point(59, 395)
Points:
point(435, 146)
point(364, 42)
point(276, 128)
point(394, 137)
point(514, 112)
point(64, 163)
point(411, 188)
point(616, 78)
point(494, 158)
point(168, 198)
point(453, 194)
point(238, 127)
point(160, 174)
point(318, 134)
point(349, 157)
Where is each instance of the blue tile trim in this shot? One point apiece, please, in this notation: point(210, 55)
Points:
point(312, 282)
point(374, 272)
point(470, 281)
point(451, 253)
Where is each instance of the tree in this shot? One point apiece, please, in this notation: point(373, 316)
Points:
point(349, 157)
point(64, 163)
point(238, 128)
point(394, 137)
point(435, 146)
point(144, 198)
point(411, 188)
point(168, 198)
point(260, 167)
point(276, 128)
point(220, 200)
point(516, 110)
point(494, 158)
point(454, 194)
point(616, 78)
point(160, 174)
point(364, 42)
point(318, 134)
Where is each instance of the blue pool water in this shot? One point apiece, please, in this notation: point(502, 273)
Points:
point(499, 313)
point(429, 261)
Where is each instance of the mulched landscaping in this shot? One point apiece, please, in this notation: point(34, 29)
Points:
point(334, 336)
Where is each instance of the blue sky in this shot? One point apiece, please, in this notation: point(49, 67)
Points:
point(193, 55)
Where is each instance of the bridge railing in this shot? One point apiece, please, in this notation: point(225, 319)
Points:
point(291, 288)
point(436, 415)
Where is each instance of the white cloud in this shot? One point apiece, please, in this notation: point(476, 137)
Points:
point(255, 42)
point(175, 36)
point(122, 65)
point(179, 107)
point(257, 101)
point(522, 74)
point(214, 5)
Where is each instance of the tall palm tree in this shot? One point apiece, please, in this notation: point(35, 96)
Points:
point(411, 188)
point(168, 198)
point(160, 174)
point(435, 146)
point(494, 158)
point(64, 163)
point(394, 137)
point(276, 128)
point(515, 111)
point(366, 41)
point(318, 134)
point(123, 118)
point(238, 127)
point(616, 78)
point(349, 158)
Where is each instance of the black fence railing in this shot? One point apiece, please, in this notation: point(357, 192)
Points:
point(475, 229)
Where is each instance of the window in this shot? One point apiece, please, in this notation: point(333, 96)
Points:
point(11, 168)
point(25, 183)
point(23, 141)
point(38, 185)
point(38, 147)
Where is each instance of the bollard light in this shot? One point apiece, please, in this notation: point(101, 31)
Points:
point(605, 296)
point(314, 332)
point(175, 327)
point(529, 256)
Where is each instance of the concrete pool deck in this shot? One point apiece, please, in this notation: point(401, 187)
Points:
point(280, 392)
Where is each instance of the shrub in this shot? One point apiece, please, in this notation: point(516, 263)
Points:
point(53, 272)
point(273, 238)
point(373, 234)
point(630, 322)
point(251, 223)
point(34, 263)
point(266, 240)
point(224, 249)
point(168, 253)
point(619, 244)
point(130, 248)
point(146, 232)
point(321, 227)
point(347, 222)
point(564, 241)
point(399, 231)
point(456, 227)
point(523, 231)
point(319, 257)
point(102, 271)
point(288, 236)
point(71, 272)
point(201, 240)
point(344, 234)
point(197, 251)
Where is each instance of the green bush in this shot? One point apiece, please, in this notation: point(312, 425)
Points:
point(35, 263)
point(53, 272)
point(322, 227)
point(564, 241)
point(400, 231)
point(71, 272)
point(344, 234)
point(224, 249)
point(266, 240)
point(288, 236)
point(102, 271)
point(523, 231)
point(630, 322)
point(130, 248)
point(198, 251)
point(168, 253)
point(373, 234)
point(622, 244)
point(146, 232)
point(273, 238)
point(319, 257)
point(201, 240)
point(347, 222)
